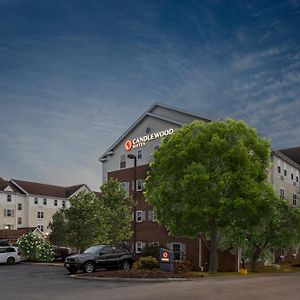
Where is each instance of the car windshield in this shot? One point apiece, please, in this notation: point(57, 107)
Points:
point(93, 250)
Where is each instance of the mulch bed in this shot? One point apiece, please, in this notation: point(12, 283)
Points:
point(143, 274)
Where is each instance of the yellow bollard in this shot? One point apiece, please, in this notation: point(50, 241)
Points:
point(243, 271)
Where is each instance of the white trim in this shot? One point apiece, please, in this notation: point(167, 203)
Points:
point(12, 181)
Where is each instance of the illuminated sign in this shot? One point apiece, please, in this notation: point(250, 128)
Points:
point(165, 256)
point(141, 141)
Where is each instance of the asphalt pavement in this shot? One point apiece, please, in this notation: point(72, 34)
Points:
point(40, 282)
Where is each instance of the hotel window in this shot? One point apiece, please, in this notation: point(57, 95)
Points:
point(9, 213)
point(45, 201)
point(139, 185)
point(281, 193)
point(55, 202)
point(279, 169)
point(36, 201)
point(19, 206)
point(41, 228)
point(151, 216)
point(297, 178)
point(8, 198)
point(140, 154)
point(139, 246)
point(284, 172)
point(64, 203)
point(19, 221)
point(40, 215)
point(292, 176)
point(140, 216)
point(294, 199)
point(123, 161)
point(124, 186)
point(179, 250)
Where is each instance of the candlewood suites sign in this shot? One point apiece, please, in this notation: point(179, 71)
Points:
point(142, 140)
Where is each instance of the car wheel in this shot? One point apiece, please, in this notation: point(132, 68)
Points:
point(11, 261)
point(126, 265)
point(89, 267)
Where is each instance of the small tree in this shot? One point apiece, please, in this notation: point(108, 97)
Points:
point(28, 245)
point(82, 220)
point(115, 214)
point(59, 229)
point(203, 177)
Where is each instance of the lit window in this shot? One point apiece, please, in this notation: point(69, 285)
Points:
point(8, 198)
point(140, 154)
point(55, 202)
point(19, 206)
point(139, 185)
point(123, 161)
point(36, 201)
point(45, 201)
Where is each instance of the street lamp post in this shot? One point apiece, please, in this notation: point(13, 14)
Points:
point(6, 227)
point(132, 156)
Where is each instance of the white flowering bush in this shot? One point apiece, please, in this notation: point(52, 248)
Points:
point(45, 252)
point(33, 248)
point(28, 245)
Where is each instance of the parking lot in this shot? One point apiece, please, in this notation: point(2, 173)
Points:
point(24, 282)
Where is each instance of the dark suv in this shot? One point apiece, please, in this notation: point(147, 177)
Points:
point(101, 256)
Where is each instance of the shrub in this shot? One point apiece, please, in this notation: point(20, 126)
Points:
point(151, 250)
point(46, 252)
point(146, 263)
point(183, 266)
point(28, 245)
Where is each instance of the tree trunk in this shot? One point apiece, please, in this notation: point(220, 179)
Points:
point(213, 259)
point(254, 259)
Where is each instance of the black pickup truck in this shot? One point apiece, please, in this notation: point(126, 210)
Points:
point(100, 256)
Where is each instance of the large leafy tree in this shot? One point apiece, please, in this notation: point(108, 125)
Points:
point(116, 213)
point(205, 176)
point(271, 225)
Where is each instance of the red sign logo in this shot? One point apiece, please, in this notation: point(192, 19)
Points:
point(165, 254)
point(128, 145)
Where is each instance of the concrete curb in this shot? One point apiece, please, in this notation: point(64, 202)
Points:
point(122, 279)
point(42, 264)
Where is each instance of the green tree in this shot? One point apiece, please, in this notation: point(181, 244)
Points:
point(203, 177)
point(59, 229)
point(114, 224)
point(82, 220)
point(273, 224)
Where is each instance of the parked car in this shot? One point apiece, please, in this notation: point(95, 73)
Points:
point(9, 255)
point(100, 256)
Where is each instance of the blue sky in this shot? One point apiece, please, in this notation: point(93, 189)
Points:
point(74, 75)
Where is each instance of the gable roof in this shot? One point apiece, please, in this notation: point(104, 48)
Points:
point(41, 189)
point(5, 183)
point(150, 113)
point(292, 153)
